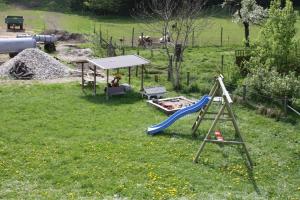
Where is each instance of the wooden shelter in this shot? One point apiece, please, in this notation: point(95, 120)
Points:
point(118, 62)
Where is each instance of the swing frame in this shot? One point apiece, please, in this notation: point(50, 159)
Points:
point(226, 109)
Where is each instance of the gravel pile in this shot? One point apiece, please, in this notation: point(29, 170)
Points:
point(42, 65)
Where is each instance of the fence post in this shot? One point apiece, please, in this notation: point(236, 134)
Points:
point(132, 38)
point(193, 38)
point(170, 68)
point(244, 92)
point(285, 105)
point(123, 51)
point(221, 36)
point(222, 64)
point(188, 78)
point(100, 37)
point(156, 78)
point(152, 53)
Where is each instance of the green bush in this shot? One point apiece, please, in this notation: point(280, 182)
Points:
point(272, 84)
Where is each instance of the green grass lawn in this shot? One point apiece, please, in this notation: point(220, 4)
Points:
point(56, 143)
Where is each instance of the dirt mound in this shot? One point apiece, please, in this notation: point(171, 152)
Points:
point(65, 35)
point(40, 64)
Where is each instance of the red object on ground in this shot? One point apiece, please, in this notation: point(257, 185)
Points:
point(219, 135)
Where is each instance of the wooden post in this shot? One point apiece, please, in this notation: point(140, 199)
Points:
point(151, 52)
point(82, 76)
point(138, 51)
point(100, 37)
point(142, 79)
point(188, 78)
point(244, 92)
point(221, 36)
point(95, 79)
point(129, 75)
point(107, 81)
point(156, 78)
point(132, 38)
point(222, 64)
point(170, 68)
point(193, 38)
point(123, 51)
point(285, 105)
point(228, 40)
point(142, 39)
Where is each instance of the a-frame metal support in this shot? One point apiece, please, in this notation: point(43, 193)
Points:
point(227, 101)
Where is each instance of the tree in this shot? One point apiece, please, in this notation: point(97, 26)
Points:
point(247, 12)
point(274, 65)
point(174, 21)
point(277, 41)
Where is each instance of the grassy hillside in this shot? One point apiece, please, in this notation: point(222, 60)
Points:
point(119, 27)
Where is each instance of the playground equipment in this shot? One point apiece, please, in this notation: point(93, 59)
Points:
point(219, 116)
point(13, 21)
point(13, 46)
point(177, 115)
point(204, 105)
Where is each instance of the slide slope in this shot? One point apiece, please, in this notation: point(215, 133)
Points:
point(177, 115)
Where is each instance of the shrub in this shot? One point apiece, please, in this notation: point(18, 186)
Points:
point(271, 83)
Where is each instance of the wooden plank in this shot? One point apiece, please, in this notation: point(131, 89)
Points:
point(224, 90)
point(223, 142)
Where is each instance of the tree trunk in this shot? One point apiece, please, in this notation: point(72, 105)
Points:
point(247, 33)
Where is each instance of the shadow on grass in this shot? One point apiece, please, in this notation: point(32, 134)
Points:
point(128, 98)
point(240, 150)
point(175, 135)
point(249, 170)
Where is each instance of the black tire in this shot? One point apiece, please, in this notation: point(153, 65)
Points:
point(49, 47)
point(8, 26)
point(11, 55)
point(21, 26)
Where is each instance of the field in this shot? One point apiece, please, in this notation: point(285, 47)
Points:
point(57, 142)
point(122, 27)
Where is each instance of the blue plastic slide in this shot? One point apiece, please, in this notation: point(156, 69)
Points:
point(177, 115)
